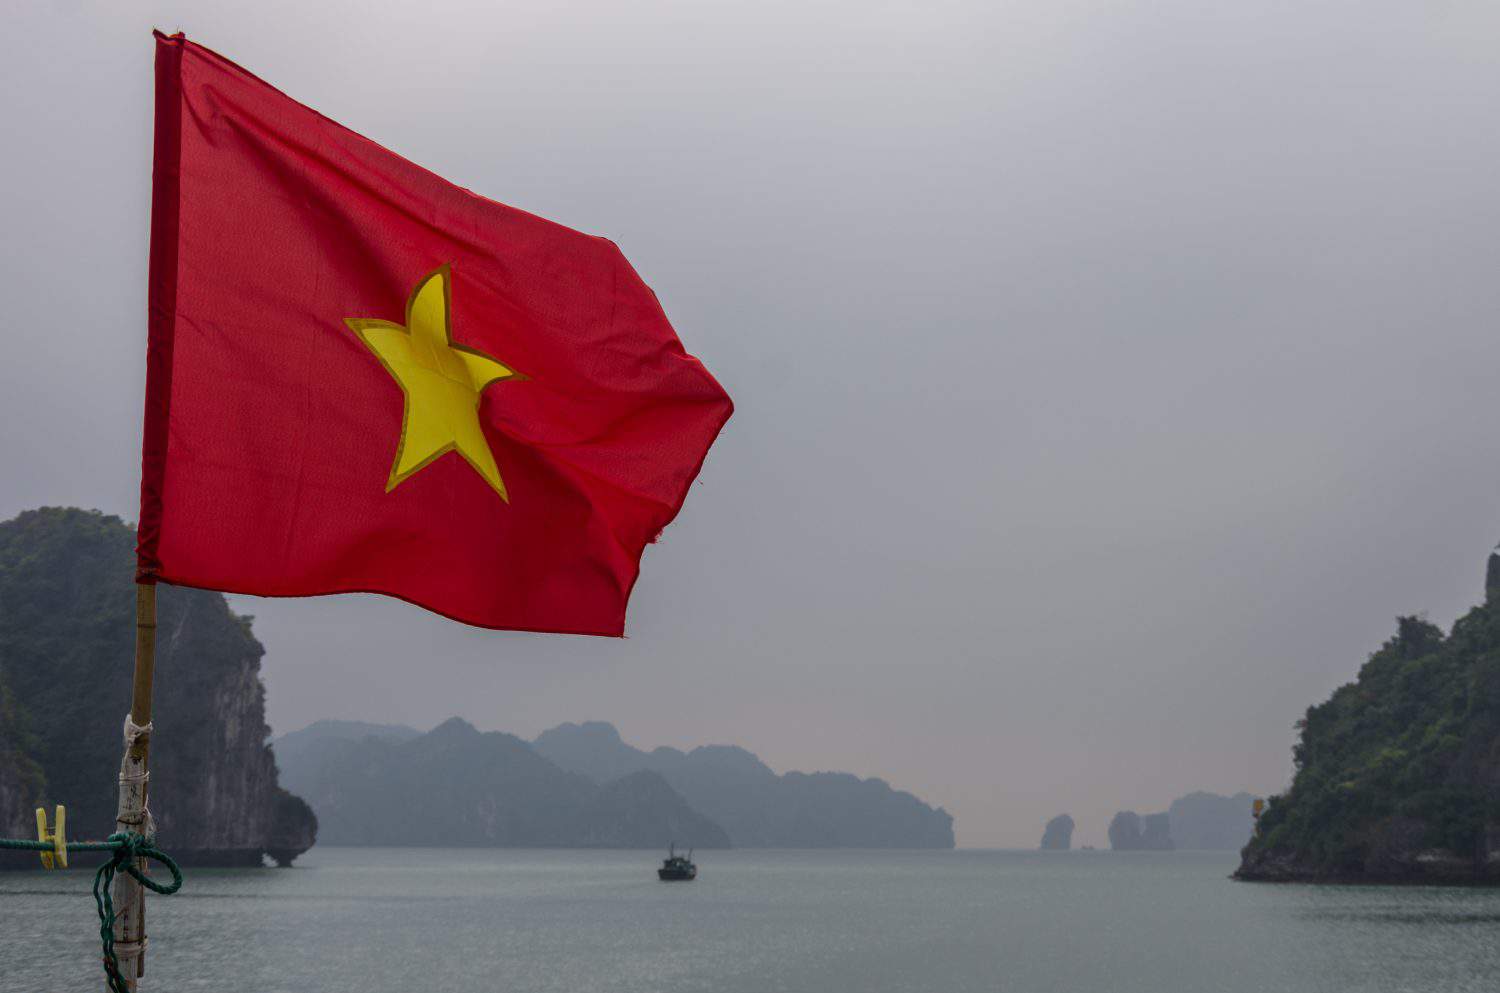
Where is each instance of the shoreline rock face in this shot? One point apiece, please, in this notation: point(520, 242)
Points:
point(1058, 835)
point(67, 651)
point(1398, 773)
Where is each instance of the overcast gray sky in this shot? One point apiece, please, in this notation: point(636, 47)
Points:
point(1109, 375)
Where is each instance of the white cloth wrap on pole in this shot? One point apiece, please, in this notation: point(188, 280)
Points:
point(134, 732)
point(134, 816)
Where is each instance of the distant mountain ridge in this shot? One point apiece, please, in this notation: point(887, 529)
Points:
point(294, 749)
point(581, 785)
point(458, 786)
point(1197, 821)
point(1203, 821)
point(1131, 832)
point(757, 807)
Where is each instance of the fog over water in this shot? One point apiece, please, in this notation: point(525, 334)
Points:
point(1109, 375)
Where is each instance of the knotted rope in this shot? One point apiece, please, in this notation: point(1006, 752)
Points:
point(127, 849)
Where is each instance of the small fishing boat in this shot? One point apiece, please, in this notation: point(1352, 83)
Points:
point(677, 868)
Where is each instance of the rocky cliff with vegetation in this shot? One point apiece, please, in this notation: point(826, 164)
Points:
point(21, 781)
point(1398, 773)
point(67, 637)
point(759, 808)
point(455, 785)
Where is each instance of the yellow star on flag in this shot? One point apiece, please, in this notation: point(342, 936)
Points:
point(441, 381)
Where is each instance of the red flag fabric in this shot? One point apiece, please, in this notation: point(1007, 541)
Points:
point(361, 377)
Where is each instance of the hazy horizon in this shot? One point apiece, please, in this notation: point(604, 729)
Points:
point(1082, 834)
point(1109, 376)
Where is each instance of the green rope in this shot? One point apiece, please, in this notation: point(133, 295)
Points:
point(128, 847)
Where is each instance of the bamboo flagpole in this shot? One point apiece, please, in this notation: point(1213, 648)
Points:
point(133, 815)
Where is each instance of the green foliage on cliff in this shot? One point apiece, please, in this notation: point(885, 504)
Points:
point(1407, 756)
point(50, 559)
point(21, 778)
point(67, 647)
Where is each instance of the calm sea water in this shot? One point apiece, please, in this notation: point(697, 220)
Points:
point(387, 920)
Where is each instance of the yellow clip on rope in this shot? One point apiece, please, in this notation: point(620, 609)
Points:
point(58, 838)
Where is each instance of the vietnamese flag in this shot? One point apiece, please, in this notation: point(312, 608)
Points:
point(361, 377)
